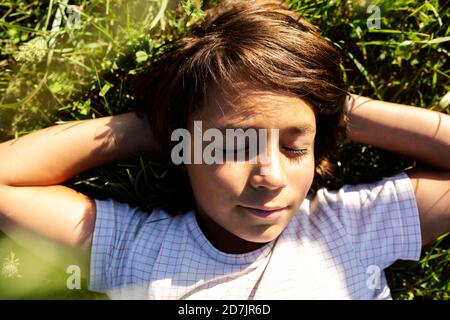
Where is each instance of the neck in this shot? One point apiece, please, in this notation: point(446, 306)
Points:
point(222, 239)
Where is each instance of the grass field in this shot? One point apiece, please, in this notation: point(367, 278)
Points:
point(72, 60)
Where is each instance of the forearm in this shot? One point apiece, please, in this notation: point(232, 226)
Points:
point(420, 134)
point(56, 154)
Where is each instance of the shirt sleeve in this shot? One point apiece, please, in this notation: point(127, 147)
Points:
point(116, 225)
point(381, 219)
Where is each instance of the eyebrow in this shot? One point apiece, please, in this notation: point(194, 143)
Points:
point(301, 129)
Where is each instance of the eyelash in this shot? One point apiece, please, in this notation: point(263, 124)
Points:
point(295, 154)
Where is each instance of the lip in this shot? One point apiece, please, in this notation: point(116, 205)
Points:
point(265, 212)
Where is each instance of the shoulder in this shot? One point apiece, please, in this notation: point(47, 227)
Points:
point(362, 211)
point(125, 221)
point(385, 193)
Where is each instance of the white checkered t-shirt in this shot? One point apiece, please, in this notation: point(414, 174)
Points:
point(335, 247)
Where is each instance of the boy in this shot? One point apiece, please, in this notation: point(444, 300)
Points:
point(248, 235)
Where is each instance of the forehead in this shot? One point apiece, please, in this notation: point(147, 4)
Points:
point(246, 105)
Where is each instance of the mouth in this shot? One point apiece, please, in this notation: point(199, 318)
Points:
point(265, 212)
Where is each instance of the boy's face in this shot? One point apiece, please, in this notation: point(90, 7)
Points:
point(242, 205)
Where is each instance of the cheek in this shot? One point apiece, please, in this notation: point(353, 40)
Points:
point(216, 183)
point(300, 176)
point(231, 176)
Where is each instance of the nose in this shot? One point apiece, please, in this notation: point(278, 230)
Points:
point(269, 172)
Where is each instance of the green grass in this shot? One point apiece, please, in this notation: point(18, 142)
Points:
point(84, 68)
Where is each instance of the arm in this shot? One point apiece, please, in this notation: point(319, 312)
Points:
point(32, 204)
point(420, 134)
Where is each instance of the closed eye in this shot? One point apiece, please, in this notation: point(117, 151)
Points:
point(291, 153)
point(296, 152)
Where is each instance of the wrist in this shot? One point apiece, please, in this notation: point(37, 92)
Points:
point(348, 106)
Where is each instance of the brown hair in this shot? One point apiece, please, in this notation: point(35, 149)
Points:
point(274, 47)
